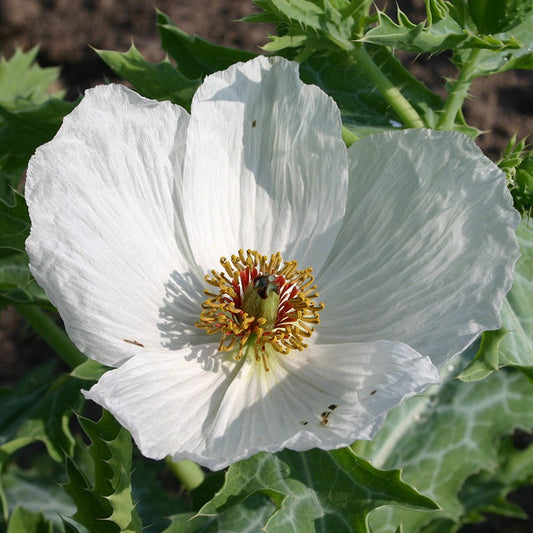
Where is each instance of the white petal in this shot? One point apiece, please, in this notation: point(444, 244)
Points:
point(107, 241)
point(215, 412)
point(266, 166)
point(163, 398)
point(427, 249)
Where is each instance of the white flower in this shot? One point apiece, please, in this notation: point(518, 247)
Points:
point(134, 203)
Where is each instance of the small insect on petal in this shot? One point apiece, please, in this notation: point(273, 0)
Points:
point(136, 343)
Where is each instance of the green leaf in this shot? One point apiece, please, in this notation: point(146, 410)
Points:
point(486, 492)
point(245, 517)
point(37, 409)
point(190, 523)
point(496, 16)
point(441, 440)
point(69, 527)
point(38, 491)
point(513, 344)
point(17, 285)
point(517, 346)
point(15, 224)
point(523, 182)
point(317, 24)
point(29, 114)
point(24, 521)
point(89, 370)
point(21, 132)
point(486, 360)
point(103, 496)
point(493, 61)
point(16, 282)
point(154, 504)
point(332, 24)
point(300, 486)
point(517, 163)
point(23, 83)
point(196, 57)
point(159, 81)
point(443, 35)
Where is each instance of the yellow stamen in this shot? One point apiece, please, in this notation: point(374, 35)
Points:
point(242, 310)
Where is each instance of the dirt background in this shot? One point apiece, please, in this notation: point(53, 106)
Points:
point(500, 105)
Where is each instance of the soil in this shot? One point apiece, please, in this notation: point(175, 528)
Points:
point(66, 30)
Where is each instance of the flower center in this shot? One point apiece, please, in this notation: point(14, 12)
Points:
point(261, 303)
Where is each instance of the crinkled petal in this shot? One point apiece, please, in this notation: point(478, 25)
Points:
point(191, 405)
point(427, 249)
point(107, 240)
point(266, 167)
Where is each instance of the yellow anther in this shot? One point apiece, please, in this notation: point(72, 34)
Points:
point(229, 310)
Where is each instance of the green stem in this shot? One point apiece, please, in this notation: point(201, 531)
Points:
point(52, 334)
point(405, 111)
point(189, 474)
point(348, 137)
point(458, 92)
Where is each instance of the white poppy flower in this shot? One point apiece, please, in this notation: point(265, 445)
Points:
point(135, 204)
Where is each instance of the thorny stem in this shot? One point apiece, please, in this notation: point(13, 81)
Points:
point(189, 474)
point(52, 334)
point(458, 92)
point(405, 111)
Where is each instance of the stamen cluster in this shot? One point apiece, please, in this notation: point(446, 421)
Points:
point(227, 310)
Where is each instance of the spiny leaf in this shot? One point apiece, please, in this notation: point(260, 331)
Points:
point(517, 163)
point(324, 23)
point(159, 81)
point(29, 114)
point(196, 57)
point(103, 498)
point(91, 510)
point(445, 34)
point(300, 486)
point(23, 83)
point(495, 61)
point(442, 439)
point(21, 132)
point(245, 517)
